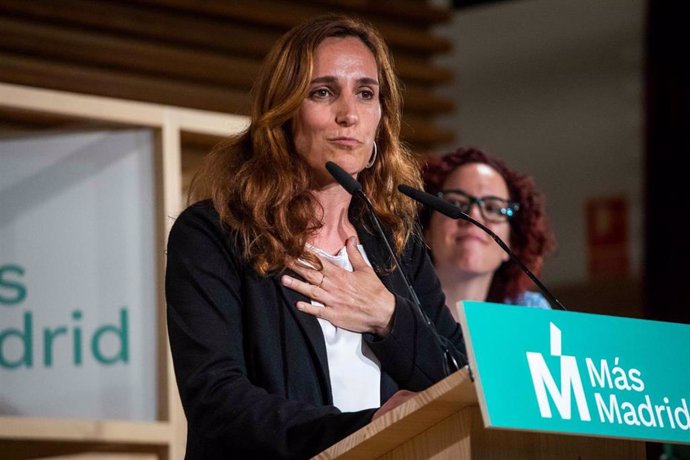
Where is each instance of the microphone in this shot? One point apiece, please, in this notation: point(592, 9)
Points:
point(345, 180)
point(454, 212)
point(354, 188)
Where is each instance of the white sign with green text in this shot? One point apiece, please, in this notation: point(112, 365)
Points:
point(567, 372)
point(78, 276)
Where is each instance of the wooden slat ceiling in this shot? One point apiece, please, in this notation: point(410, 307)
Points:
point(205, 54)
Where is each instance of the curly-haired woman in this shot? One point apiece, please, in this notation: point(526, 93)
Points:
point(469, 263)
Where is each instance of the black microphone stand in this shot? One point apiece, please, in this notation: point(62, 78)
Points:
point(454, 212)
point(355, 189)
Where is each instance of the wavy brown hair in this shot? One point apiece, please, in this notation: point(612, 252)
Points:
point(530, 237)
point(259, 184)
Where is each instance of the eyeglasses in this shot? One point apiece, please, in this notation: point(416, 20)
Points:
point(492, 208)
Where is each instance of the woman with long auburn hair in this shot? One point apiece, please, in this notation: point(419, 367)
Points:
point(288, 325)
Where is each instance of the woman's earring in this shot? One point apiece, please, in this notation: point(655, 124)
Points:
point(372, 160)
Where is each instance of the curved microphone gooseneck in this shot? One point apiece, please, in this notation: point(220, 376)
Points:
point(354, 188)
point(454, 212)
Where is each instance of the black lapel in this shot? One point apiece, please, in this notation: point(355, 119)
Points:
point(311, 329)
point(376, 252)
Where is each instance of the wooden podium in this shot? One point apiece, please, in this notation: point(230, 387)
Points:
point(444, 422)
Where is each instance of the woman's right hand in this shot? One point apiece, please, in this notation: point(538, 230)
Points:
point(354, 300)
point(394, 401)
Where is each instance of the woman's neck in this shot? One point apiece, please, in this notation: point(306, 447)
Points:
point(337, 227)
point(457, 288)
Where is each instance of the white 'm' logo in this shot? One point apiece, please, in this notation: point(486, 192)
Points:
point(570, 380)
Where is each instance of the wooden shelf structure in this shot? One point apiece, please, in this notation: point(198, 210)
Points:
point(205, 55)
point(182, 136)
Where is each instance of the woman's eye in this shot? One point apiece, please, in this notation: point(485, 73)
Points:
point(367, 94)
point(458, 204)
point(493, 208)
point(320, 93)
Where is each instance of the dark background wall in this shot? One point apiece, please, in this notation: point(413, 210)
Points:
point(667, 148)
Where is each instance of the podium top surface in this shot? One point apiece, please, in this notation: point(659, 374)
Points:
point(428, 407)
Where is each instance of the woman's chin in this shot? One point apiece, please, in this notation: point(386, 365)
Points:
point(469, 269)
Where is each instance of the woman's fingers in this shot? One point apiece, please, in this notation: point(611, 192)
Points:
point(356, 257)
point(400, 397)
point(313, 291)
point(315, 310)
point(312, 275)
point(354, 300)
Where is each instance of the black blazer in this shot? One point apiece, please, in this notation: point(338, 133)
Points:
point(252, 370)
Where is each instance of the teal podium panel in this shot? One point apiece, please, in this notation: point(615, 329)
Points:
point(568, 372)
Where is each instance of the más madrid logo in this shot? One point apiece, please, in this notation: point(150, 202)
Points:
point(614, 394)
